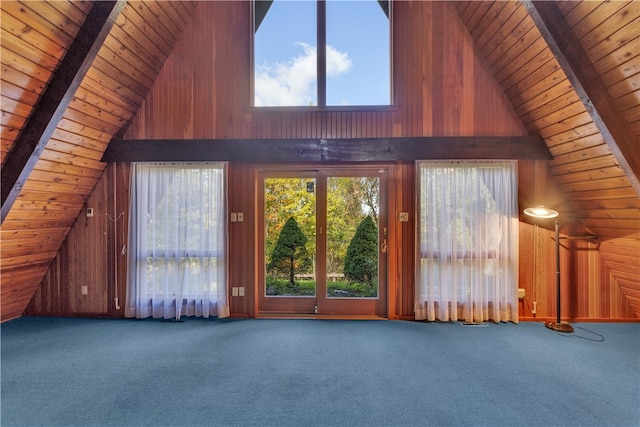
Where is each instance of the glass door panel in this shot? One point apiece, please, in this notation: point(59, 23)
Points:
point(352, 237)
point(290, 236)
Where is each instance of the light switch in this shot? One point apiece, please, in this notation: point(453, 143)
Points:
point(234, 291)
point(241, 291)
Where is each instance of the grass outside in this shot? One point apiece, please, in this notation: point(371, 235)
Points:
point(337, 289)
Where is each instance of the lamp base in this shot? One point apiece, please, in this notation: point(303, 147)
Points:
point(559, 327)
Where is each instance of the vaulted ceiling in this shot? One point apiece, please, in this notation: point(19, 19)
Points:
point(570, 69)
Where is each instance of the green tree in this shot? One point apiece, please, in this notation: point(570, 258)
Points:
point(290, 247)
point(361, 261)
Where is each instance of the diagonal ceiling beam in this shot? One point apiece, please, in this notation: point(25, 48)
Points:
point(587, 83)
point(54, 101)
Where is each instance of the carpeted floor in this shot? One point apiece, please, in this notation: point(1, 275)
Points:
point(84, 372)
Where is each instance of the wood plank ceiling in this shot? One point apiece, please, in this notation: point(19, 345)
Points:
point(35, 36)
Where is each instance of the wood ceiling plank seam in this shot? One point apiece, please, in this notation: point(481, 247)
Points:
point(586, 165)
point(75, 122)
point(149, 31)
point(35, 258)
point(564, 108)
point(24, 66)
point(553, 86)
point(17, 224)
point(94, 118)
point(179, 14)
point(113, 86)
point(627, 54)
point(584, 149)
point(127, 68)
point(619, 40)
point(599, 194)
point(571, 135)
point(75, 10)
point(76, 150)
point(15, 108)
point(593, 174)
point(478, 24)
point(38, 41)
point(566, 116)
point(478, 15)
point(537, 68)
point(607, 29)
point(22, 80)
point(114, 49)
point(67, 168)
point(73, 160)
point(621, 72)
point(167, 17)
point(25, 50)
point(516, 20)
point(87, 95)
point(460, 7)
point(500, 13)
point(569, 8)
point(128, 23)
point(80, 142)
point(625, 88)
point(18, 93)
point(521, 45)
point(63, 22)
point(77, 182)
point(48, 197)
point(596, 20)
point(124, 39)
point(165, 28)
point(469, 10)
point(109, 96)
point(27, 206)
point(32, 19)
point(546, 69)
point(552, 107)
point(510, 40)
point(122, 79)
point(524, 64)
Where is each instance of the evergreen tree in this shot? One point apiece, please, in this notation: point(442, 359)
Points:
point(361, 262)
point(290, 246)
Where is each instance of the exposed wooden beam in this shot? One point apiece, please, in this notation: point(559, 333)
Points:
point(588, 85)
point(54, 101)
point(326, 150)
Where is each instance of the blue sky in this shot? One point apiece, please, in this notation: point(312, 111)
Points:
point(357, 54)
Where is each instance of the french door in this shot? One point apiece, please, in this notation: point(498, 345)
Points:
point(322, 240)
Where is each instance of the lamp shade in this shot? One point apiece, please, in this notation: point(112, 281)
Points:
point(541, 212)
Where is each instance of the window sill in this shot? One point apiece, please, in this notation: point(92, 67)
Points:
point(328, 109)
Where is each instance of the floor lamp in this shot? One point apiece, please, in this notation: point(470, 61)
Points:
point(545, 213)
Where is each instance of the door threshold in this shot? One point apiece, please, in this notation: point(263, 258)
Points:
point(320, 316)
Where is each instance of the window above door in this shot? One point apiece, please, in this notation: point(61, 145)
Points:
point(321, 53)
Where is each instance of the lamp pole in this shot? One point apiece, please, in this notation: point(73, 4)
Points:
point(557, 325)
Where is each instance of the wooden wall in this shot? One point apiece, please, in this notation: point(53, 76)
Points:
point(441, 87)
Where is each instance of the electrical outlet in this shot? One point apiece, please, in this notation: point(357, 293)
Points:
point(234, 217)
point(521, 293)
point(89, 212)
point(404, 217)
point(240, 216)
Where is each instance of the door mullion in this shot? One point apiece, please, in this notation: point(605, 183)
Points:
point(321, 242)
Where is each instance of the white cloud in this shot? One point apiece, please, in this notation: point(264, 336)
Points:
point(294, 82)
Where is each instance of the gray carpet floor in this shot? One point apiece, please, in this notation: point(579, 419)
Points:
point(271, 372)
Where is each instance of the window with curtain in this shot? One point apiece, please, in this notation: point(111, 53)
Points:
point(468, 241)
point(177, 242)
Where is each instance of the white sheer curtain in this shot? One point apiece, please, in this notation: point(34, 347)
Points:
point(468, 241)
point(177, 242)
